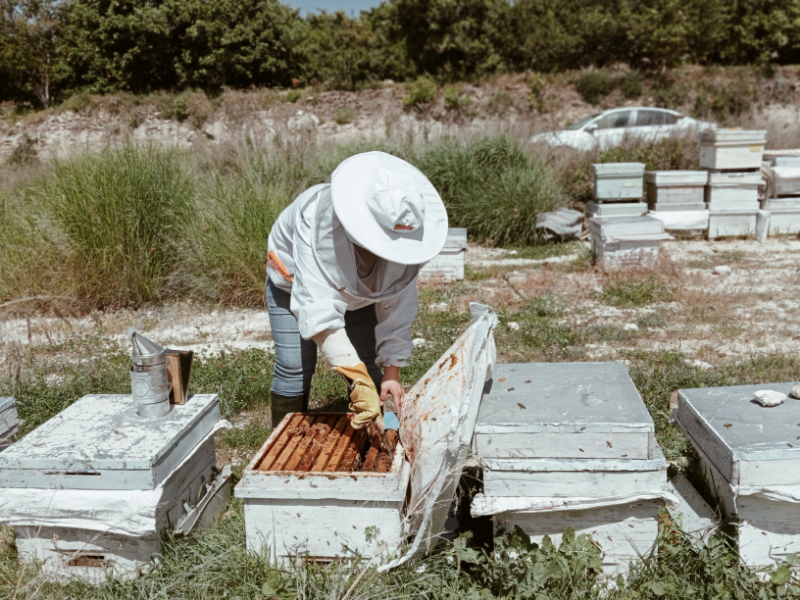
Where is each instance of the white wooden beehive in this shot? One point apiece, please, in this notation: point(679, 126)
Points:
point(9, 421)
point(733, 191)
point(618, 181)
point(675, 187)
point(732, 149)
point(301, 496)
point(556, 433)
point(750, 464)
point(70, 486)
point(620, 241)
point(449, 264)
point(615, 209)
point(723, 223)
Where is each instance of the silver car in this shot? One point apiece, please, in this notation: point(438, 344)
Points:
point(610, 127)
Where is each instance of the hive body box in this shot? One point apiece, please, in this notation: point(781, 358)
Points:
point(615, 209)
point(750, 464)
point(676, 187)
point(449, 264)
point(9, 421)
point(568, 431)
point(98, 461)
point(618, 181)
point(322, 514)
point(731, 150)
point(617, 241)
point(784, 215)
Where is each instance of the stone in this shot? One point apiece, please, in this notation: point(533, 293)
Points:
point(418, 342)
point(513, 326)
point(438, 307)
point(795, 393)
point(698, 364)
point(769, 397)
point(630, 327)
point(723, 270)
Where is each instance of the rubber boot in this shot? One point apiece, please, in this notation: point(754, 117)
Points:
point(281, 406)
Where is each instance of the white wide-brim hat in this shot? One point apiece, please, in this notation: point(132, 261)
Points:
point(389, 207)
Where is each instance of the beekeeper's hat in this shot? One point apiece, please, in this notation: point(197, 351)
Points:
point(389, 207)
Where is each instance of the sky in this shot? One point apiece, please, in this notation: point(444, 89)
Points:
point(348, 6)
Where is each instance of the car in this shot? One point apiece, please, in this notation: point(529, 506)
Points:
point(609, 128)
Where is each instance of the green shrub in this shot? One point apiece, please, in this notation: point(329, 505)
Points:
point(176, 111)
point(344, 115)
point(627, 289)
point(499, 103)
point(593, 86)
point(536, 85)
point(631, 84)
point(456, 100)
point(493, 188)
point(422, 91)
point(723, 101)
point(122, 213)
point(293, 96)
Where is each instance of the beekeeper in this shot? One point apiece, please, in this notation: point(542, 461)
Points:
point(342, 277)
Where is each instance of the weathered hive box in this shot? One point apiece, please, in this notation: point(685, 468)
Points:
point(449, 264)
point(90, 491)
point(9, 421)
point(750, 464)
point(722, 223)
point(618, 181)
point(733, 191)
point(571, 445)
point(784, 221)
point(321, 489)
point(605, 228)
point(731, 149)
point(618, 241)
point(615, 209)
point(675, 187)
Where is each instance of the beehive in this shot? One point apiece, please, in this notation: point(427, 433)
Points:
point(448, 265)
point(676, 187)
point(9, 421)
point(731, 149)
point(625, 240)
point(722, 223)
point(615, 209)
point(571, 445)
point(317, 487)
point(90, 491)
point(618, 181)
point(750, 464)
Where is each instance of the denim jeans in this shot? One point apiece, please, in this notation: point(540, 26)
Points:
point(296, 358)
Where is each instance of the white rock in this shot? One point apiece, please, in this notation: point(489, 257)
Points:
point(795, 393)
point(438, 307)
point(513, 326)
point(699, 364)
point(630, 327)
point(723, 270)
point(769, 397)
point(512, 252)
point(418, 342)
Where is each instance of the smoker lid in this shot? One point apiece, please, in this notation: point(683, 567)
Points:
point(103, 432)
point(143, 347)
point(727, 422)
point(563, 397)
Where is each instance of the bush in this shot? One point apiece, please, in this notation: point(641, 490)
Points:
point(422, 91)
point(593, 86)
point(456, 100)
point(293, 96)
point(344, 115)
point(499, 103)
point(631, 84)
point(24, 151)
point(536, 85)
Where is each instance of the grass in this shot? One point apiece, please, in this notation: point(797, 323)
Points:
point(625, 289)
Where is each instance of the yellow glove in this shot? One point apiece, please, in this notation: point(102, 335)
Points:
point(364, 399)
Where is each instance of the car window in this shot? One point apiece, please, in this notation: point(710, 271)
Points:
point(620, 118)
point(645, 118)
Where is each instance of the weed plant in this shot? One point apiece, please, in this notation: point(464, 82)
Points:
point(625, 289)
point(344, 115)
point(421, 92)
point(593, 86)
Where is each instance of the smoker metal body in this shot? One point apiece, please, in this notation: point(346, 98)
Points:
point(618, 181)
point(448, 265)
point(9, 421)
point(149, 378)
point(750, 464)
point(732, 150)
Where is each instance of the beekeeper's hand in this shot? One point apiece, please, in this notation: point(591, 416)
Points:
point(391, 385)
point(364, 399)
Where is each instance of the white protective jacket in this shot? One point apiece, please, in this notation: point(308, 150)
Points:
point(312, 244)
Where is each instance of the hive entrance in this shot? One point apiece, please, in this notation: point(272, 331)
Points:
point(327, 443)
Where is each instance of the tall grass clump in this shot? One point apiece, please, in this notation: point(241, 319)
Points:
point(492, 187)
point(121, 212)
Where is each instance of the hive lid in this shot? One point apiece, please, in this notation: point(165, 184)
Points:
point(733, 136)
point(734, 179)
point(100, 442)
point(456, 239)
point(676, 178)
point(605, 170)
point(740, 436)
point(625, 226)
point(564, 398)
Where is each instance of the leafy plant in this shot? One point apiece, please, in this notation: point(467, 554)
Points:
point(344, 115)
point(293, 96)
point(631, 84)
point(422, 91)
point(456, 100)
point(499, 103)
point(536, 85)
point(593, 86)
point(24, 151)
point(631, 288)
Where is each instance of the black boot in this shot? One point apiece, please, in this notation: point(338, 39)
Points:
point(283, 405)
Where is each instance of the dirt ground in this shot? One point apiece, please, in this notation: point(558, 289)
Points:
point(707, 313)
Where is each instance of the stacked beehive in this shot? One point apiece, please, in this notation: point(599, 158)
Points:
point(782, 200)
point(618, 230)
point(449, 264)
point(677, 199)
point(90, 491)
point(749, 464)
point(571, 445)
point(732, 158)
point(9, 421)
